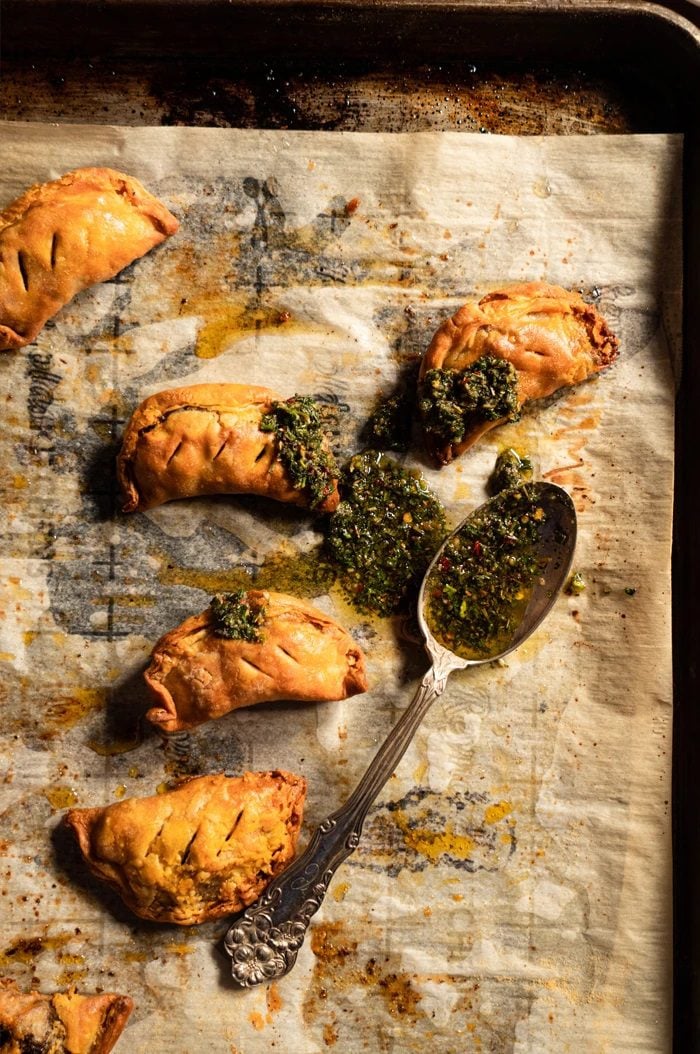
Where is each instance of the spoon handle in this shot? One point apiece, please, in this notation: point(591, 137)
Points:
point(264, 941)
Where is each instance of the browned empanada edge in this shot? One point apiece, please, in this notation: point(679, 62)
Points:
point(82, 822)
point(114, 1021)
point(154, 409)
point(119, 1008)
point(93, 178)
point(122, 183)
point(209, 398)
point(165, 716)
point(603, 343)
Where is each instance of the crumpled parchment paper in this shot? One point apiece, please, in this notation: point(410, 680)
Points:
point(512, 892)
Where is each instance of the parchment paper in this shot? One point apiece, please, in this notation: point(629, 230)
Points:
point(512, 892)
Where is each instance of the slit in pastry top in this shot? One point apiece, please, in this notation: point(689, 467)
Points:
point(202, 850)
point(301, 654)
point(207, 439)
point(59, 238)
point(544, 337)
point(63, 1023)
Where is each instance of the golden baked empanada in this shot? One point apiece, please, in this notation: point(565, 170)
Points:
point(207, 848)
point(64, 1023)
point(226, 439)
point(519, 343)
point(197, 673)
point(61, 237)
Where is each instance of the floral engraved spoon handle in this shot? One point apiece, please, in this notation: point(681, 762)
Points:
point(264, 941)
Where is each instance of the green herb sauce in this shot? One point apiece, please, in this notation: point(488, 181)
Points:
point(452, 402)
point(236, 618)
point(390, 425)
point(384, 533)
point(298, 428)
point(482, 583)
point(511, 470)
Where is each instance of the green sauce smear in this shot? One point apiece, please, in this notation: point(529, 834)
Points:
point(236, 618)
point(298, 428)
point(452, 402)
point(390, 424)
point(384, 533)
point(511, 470)
point(481, 585)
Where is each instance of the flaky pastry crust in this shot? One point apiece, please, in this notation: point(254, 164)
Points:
point(60, 237)
point(64, 1023)
point(196, 675)
point(205, 849)
point(205, 439)
point(552, 337)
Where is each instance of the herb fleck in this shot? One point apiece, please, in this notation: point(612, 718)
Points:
point(630, 591)
point(384, 533)
point(482, 583)
point(452, 402)
point(298, 428)
point(511, 470)
point(576, 584)
point(236, 618)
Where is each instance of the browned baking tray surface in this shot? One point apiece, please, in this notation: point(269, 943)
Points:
point(546, 68)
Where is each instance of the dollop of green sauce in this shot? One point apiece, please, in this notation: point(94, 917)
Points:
point(479, 588)
point(391, 422)
point(452, 402)
point(511, 470)
point(236, 618)
point(384, 533)
point(300, 436)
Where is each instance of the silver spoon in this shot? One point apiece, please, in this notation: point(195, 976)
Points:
point(264, 940)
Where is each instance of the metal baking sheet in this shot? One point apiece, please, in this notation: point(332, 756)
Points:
point(599, 30)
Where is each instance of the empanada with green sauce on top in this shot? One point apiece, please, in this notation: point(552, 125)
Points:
point(59, 238)
point(197, 672)
point(203, 850)
point(64, 1023)
point(226, 439)
point(519, 343)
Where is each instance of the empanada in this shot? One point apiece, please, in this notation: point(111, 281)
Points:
point(220, 439)
point(58, 238)
point(205, 849)
point(551, 337)
point(197, 674)
point(64, 1023)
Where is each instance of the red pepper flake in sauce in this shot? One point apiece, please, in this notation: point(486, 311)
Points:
point(480, 587)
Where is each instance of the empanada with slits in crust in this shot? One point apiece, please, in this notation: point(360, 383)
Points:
point(205, 849)
point(58, 238)
point(206, 439)
point(64, 1023)
point(551, 336)
point(196, 675)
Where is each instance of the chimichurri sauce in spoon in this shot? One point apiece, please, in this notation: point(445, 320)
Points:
point(480, 585)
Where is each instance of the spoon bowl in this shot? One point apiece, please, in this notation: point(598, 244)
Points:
point(264, 941)
point(553, 550)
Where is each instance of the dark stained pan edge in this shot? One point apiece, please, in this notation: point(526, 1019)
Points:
point(472, 28)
